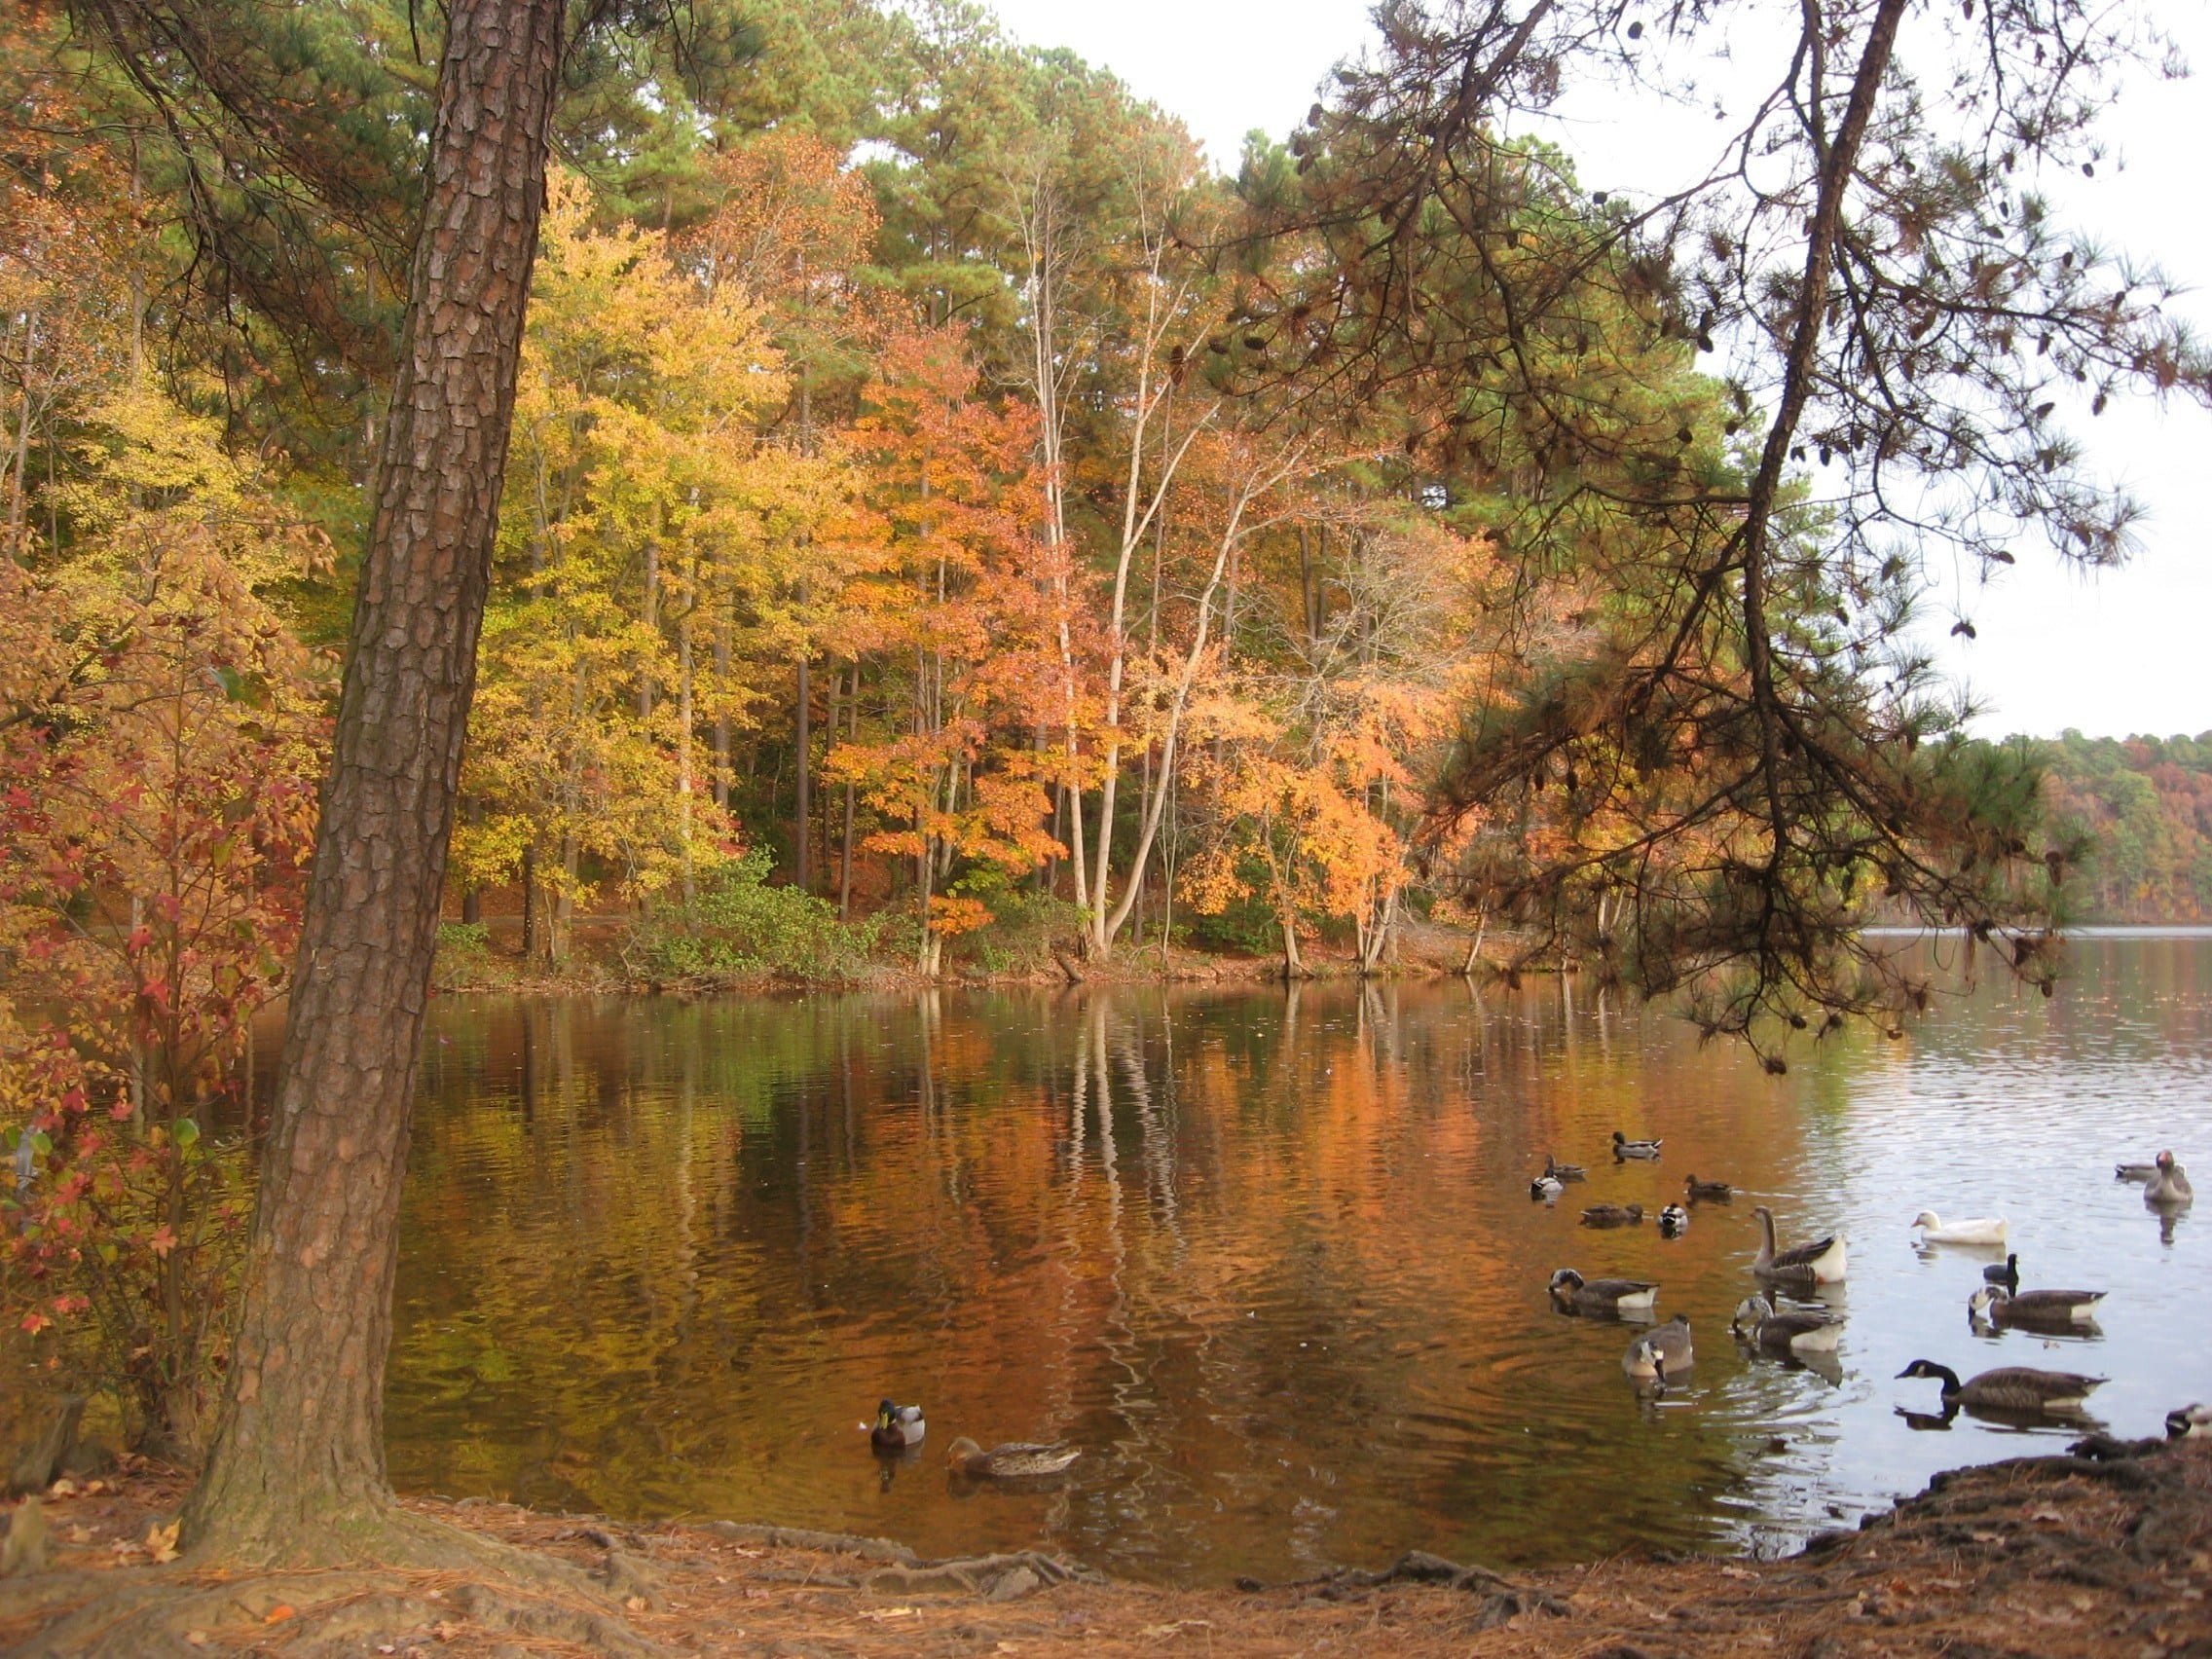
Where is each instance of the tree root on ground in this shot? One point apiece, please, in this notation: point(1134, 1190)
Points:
point(2107, 1552)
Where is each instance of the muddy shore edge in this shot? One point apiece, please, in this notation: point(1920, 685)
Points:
point(2108, 1554)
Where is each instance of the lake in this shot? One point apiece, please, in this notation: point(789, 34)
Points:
point(1267, 1257)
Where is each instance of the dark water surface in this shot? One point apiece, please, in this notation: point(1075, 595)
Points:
point(1267, 1258)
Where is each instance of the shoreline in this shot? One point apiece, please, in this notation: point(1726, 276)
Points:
point(2108, 1553)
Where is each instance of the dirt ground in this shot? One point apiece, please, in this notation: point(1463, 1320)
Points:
point(2049, 1556)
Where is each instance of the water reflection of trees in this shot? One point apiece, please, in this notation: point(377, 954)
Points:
point(1263, 1255)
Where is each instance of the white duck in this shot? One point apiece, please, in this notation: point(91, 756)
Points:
point(1981, 1230)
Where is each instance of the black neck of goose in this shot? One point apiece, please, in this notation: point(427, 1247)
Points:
point(1951, 1383)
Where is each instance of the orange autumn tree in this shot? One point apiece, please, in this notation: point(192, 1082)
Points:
point(1314, 780)
point(958, 603)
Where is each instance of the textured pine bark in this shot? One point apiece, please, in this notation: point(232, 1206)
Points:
point(297, 1471)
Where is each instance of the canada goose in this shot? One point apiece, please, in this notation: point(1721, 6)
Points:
point(1623, 1147)
point(2170, 1185)
point(1661, 1349)
point(1822, 1261)
point(1017, 1459)
point(896, 1427)
point(2000, 1306)
point(1612, 1215)
point(2189, 1422)
point(1559, 1171)
point(1545, 1188)
point(2005, 1273)
point(1569, 1289)
point(1981, 1230)
point(1796, 1332)
point(1673, 1221)
point(2010, 1388)
point(1718, 1191)
point(2134, 1172)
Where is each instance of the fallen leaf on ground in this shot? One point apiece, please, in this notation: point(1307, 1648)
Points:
point(881, 1613)
point(281, 1611)
point(160, 1541)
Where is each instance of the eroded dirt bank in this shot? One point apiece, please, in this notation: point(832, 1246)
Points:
point(2046, 1557)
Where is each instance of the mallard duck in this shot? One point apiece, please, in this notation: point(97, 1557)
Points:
point(2005, 1273)
point(1558, 1171)
point(1569, 1289)
point(1718, 1190)
point(1017, 1459)
point(2189, 1422)
point(1612, 1215)
point(1623, 1147)
point(2134, 1172)
point(1673, 1221)
point(2010, 1388)
point(1805, 1331)
point(1822, 1261)
point(2170, 1185)
point(2000, 1306)
point(896, 1427)
point(1661, 1350)
point(1981, 1230)
point(1545, 1188)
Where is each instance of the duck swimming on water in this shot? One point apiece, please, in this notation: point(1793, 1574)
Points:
point(1569, 1289)
point(1623, 1147)
point(897, 1427)
point(1016, 1460)
point(2010, 1388)
point(1822, 1261)
point(2170, 1185)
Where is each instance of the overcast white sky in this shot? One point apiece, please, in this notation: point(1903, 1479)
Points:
point(2124, 652)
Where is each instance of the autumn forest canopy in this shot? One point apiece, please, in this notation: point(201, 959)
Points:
point(945, 520)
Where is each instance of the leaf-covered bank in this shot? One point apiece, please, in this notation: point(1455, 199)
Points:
point(2057, 1557)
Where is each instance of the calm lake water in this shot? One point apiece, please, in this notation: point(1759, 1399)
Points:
point(1268, 1258)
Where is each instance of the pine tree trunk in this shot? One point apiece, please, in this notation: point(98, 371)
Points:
point(297, 1470)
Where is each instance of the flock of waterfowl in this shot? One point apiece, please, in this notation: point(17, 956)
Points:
point(1807, 1331)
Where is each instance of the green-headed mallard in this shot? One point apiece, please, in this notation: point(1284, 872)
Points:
point(1623, 1147)
point(897, 1427)
point(1017, 1459)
